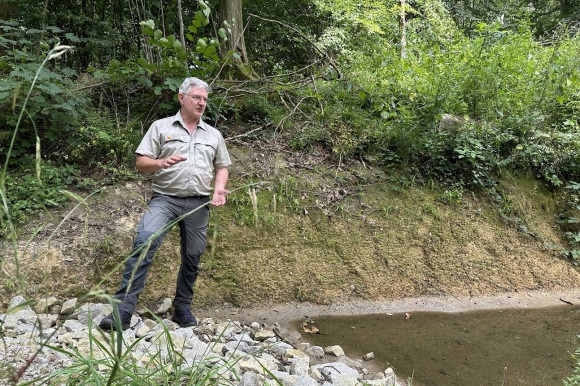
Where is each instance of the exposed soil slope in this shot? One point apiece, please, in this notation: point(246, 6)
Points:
point(325, 234)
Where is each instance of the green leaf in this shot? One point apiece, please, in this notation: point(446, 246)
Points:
point(72, 37)
point(204, 8)
point(148, 23)
point(146, 82)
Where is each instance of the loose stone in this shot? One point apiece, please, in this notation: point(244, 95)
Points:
point(243, 354)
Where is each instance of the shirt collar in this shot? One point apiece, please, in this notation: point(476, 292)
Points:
point(178, 118)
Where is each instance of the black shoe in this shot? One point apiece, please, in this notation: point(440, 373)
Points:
point(108, 323)
point(184, 318)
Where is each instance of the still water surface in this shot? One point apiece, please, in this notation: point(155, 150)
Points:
point(475, 348)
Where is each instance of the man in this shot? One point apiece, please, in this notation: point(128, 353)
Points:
point(184, 154)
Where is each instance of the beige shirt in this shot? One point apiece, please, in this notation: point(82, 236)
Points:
point(205, 151)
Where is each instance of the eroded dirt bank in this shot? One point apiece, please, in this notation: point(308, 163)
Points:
point(318, 239)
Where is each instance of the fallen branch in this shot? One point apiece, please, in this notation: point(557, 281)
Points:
point(244, 134)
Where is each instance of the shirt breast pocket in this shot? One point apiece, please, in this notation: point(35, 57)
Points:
point(173, 144)
point(204, 154)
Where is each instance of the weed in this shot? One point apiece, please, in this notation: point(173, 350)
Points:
point(574, 380)
point(430, 209)
point(452, 195)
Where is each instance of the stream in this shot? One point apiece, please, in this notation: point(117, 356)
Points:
point(505, 347)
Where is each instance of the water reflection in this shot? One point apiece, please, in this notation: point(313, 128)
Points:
point(476, 348)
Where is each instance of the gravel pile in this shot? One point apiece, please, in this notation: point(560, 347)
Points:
point(226, 352)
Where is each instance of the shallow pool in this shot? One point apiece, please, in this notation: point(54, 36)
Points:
point(490, 347)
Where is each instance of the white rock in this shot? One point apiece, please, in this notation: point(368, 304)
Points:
point(337, 351)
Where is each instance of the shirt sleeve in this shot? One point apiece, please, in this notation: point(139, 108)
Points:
point(222, 158)
point(150, 145)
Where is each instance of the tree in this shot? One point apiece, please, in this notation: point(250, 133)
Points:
point(231, 14)
point(403, 30)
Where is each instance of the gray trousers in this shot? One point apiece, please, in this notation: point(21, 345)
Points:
point(153, 227)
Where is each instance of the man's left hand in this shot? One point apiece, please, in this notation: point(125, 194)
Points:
point(219, 197)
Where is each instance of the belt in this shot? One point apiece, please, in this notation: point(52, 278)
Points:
point(194, 196)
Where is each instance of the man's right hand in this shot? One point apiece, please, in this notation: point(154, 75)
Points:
point(147, 164)
point(172, 160)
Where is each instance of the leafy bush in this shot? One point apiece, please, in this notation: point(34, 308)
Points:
point(518, 100)
point(570, 222)
point(27, 195)
point(54, 109)
point(471, 154)
point(100, 141)
point(145, 87)
point(554, 156)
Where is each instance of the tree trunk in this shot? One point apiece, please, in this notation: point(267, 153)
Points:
point(180, 17)
point(231, 12)
point(403, 30)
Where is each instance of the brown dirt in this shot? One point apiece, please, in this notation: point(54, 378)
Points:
point(330, 238)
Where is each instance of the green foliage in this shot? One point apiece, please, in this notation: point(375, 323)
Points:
point(277, 41)
point(514, 102)
point(146, 85)
point(574, 380)
point(254, 109)
point(471, 154)
point(570, 222)
point(54, 109)
point(99, 143)
point(241, 208)
point(344, 127)
point(174, 60)
point(545, 16)
point(553, 156)
point(28, 196)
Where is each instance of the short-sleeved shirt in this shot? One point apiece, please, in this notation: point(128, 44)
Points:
point(205, 151)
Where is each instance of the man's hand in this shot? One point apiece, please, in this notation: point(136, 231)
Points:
point(147, 164)
point(171, 160)
point(219, 197)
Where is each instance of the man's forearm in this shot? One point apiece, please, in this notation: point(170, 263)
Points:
point(147, 165)
point(221, 178)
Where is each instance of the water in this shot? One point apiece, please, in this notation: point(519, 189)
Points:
point(475, 348)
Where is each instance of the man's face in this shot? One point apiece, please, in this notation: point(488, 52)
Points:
point(194, 101)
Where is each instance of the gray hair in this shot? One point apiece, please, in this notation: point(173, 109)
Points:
point(193, 82)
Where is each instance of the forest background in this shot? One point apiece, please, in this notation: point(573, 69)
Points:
point(452, 97)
